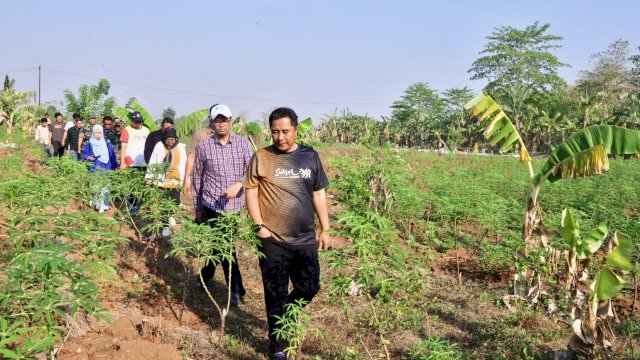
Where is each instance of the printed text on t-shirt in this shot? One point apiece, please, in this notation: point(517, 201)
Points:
point(293, 174)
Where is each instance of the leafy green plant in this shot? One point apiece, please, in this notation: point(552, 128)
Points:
point(294, 327)
point(194, 241)
point(434, 348)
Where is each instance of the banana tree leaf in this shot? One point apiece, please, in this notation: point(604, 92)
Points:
point(585, 152)
point(190, 123)
point(147, 119)
point(607, 284)
point(304, 127)
point(621, 255)
point(593, 241)
point(500, 127)
point(569, 229)
point(123, 114)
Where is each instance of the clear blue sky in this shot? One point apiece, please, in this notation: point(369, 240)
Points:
point(314, 56)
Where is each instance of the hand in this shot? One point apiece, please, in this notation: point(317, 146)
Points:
point(91, 158)
point(123, 166)
point(200, 216)
point(233, 190)
point(186, 189)
point(324, 241)
point(264, 233)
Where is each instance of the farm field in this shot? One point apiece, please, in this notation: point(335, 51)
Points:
point(434, 216)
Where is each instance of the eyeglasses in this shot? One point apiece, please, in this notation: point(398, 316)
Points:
point(221, 121)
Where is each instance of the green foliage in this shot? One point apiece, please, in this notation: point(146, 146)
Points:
point(294, 327)
point(169, 113)
point(518, 65)
point(434, 348)
point(192, 122)
point(91, 100)
point(586, 152)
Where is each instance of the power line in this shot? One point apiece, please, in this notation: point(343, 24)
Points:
point(15, 71)
point(214, 95)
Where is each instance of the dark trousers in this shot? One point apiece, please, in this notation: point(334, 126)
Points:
point(281, 263)
point(58, 149)
point(209, 270)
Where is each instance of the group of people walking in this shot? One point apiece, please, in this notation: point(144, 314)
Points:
point(282, 185)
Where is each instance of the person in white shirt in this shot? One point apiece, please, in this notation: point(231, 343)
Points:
point(132, 142)
point(42, 135)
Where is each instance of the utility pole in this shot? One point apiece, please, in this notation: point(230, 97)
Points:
point(39, 91)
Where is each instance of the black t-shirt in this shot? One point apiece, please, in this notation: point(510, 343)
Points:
point(57, 131)
point(285, 183)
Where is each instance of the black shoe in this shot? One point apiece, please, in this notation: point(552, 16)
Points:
point(279, 356)
point(236, 299)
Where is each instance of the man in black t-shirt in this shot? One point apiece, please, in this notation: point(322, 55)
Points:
point(57, 135)
point(284, 184)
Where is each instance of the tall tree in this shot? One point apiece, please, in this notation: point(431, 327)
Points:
point(92, 100)
point(611, 70)
point(169, 113)
point(454, 119)
point(519, 66)
point(635, 69)
point(8, 83)
point(416, 113)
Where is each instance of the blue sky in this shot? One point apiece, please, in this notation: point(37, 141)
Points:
point(314, 56)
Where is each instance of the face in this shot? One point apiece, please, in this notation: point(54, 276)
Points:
point(78, 124)
point(59, 118)
point(92, 121)
point(170, 141)
point(283, 134)
point(222, 125)
point(117, 127)
point(106, 124)
point(166, 126)
point(44, 124)
point(136, 124)
point(98, 134)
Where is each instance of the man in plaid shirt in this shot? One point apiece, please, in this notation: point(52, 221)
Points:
point(220, 165)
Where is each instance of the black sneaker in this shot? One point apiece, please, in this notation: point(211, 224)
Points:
point(236, 299)
point(279, 356)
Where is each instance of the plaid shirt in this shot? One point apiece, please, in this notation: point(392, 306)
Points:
point(72, 138)
point(217, 167)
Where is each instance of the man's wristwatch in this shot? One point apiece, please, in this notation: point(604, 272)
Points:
point(258, 227)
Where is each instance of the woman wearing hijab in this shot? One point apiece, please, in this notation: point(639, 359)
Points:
point(167, 166)
point(99, 151)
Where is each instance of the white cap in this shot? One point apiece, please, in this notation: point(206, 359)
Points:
point(219, 109)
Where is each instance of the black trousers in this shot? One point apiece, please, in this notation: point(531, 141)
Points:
point(58, 149)
point(281, 263)
point(209, 270)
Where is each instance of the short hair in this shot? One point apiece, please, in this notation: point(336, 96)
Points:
point(283, 112)
point(77, 119)
point(57, 114)
point(76, 116)
point(107, 118)
point(167, 120)
point(43, 120)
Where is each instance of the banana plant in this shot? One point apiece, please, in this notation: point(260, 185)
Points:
point(590, 319)
point(585, 153)
point(192, 122)
point(500, 127)
point(579, 249)
point(125, 114)
point(304, 131)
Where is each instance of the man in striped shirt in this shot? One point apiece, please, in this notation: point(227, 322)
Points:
point(220, 165)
